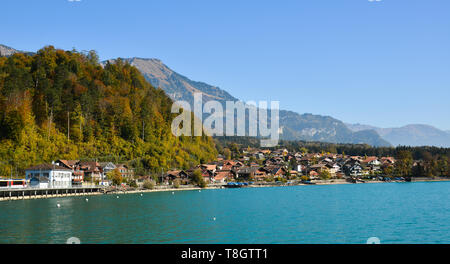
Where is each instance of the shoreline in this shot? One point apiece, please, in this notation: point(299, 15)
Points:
point(118, 192)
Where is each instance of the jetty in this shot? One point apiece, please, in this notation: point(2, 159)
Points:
point(8, 194)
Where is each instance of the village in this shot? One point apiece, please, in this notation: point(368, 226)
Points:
point(253, 167)
point(260, 166)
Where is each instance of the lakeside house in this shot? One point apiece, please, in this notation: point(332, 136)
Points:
point(125, 171)
point(107, 167)
point(49, 176)
point(173, 175)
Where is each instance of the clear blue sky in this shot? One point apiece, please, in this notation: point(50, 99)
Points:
point(381, 63)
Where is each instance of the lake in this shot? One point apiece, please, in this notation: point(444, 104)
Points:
point(349, 213)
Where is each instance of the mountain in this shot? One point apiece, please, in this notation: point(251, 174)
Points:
point(177, 86)
point(61, 104)
point(325, 129)
point(8, 51)
point(294, 126)
point(410, 135)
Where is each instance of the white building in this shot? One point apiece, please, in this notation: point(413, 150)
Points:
point(49, 176)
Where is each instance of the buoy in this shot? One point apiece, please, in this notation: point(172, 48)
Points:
point(58, 205)
point(87, 200)
point(199, 190)
point(173, 193)
point(141, 194)
point(117, 197)
point(214, 219)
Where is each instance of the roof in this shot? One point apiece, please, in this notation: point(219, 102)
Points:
point(390, 159)
point(247, 170)
point(209, 166)
point(318, 166)
point(47, 167)
point(69, 163)
point(313, 173)
point(176, 173)
point(104, 164)
point(222, 175)
point(370, 159)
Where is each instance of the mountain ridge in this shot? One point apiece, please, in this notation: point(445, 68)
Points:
point(295, 126)
point(409, 135)
point(8, 51)
point(159, 75)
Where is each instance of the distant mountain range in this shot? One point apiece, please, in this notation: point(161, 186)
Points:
point(410, 135)
point(294, 126)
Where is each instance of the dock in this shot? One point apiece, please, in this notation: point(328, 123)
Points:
point(9, 194)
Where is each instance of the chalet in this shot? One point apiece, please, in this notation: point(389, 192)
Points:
point(176, 174)
point(313, 175)
point(209, 167)
point(333, 168)
point(238, 164)
point(319, 167)
point(279, 172)
point(246, 172)
point(69, 164)
point(260, 174)
point(125, 171)
point(356, 170)
point(77, 178)
point(208, 176)
point(373, 164)
point(387, 161)
point(92, 170)
point(107, 167)
point(222, 176)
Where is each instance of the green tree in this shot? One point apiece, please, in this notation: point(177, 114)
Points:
point(403, 164)
point(115, 176)
point(197, 178)
point(325, 175)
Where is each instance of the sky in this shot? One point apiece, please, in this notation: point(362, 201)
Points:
point(384, 63)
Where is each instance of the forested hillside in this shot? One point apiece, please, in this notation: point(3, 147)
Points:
point(60, 104)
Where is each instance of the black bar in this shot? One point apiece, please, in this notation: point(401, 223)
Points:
point(237, 253)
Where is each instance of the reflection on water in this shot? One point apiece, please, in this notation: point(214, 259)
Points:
point(396, 213)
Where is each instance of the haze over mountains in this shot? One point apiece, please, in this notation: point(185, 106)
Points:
point(294, 126)
point(410, 135)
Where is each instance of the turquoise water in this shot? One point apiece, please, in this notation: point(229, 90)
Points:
point(393, 212)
